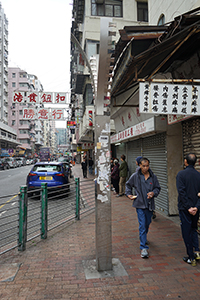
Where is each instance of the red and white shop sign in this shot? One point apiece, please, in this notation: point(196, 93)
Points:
point(87, 146)
point(141, 128)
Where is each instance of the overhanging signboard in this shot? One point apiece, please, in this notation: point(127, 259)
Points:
point(175, 99)
point(39, 97)
point(133, 131)
point(43, 114)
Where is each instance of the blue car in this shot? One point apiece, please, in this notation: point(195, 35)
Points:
point(54, 174)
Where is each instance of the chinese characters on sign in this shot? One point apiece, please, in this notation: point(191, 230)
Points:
point(43, 114)
point(140, 128)
point(39, 98)
point(176, 99)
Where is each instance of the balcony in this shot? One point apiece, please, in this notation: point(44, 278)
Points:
point(24, 136)
point(24, 126)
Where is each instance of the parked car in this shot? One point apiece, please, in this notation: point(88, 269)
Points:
point(4, 164)
point(19, 161)
point(53, 173)
point(28, 161)
point(23, 161)
point(11, 161)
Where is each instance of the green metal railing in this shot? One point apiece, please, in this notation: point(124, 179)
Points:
point(73, 200)
point(34, 213)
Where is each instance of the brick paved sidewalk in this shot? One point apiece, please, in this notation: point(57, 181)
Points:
point(53, 268)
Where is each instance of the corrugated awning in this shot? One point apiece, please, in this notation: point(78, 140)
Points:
point(178, 43)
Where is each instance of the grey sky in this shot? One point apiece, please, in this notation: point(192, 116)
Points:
point(39, 39)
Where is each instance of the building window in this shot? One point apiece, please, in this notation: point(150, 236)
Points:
point(13, 113)
point(161, 20)
point(3, 133)
point(21, 112)
point(13, 122)
point(23, 84)
point(108, 8)
point(98, 47)
point(13, 84)
point(142, 11)
point(13, 75)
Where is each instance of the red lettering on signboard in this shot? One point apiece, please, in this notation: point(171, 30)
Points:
point(18, 97)
point(32, 97)
point(43, 114)
point(46, 98)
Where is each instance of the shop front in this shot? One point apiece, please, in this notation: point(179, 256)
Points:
point(143, 140)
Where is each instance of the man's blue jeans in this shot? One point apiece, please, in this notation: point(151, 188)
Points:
point(144, 219)
point(90, 170)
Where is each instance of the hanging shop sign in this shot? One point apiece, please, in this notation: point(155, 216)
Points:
point(87, 146)
point(71, 124)
point(43, 114)
point(175, 99)
point(172, 119)
point(133, 131)
point(39, 97)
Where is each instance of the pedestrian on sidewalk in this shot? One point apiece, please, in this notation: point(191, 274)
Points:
point(137, 161)
point(90, 163)
point(188, 186)
point(115, 176)
point(84, 167)
point(123, 172)
point(111, 168)
point(146, 187)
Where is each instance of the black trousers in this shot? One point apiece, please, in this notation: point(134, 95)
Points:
point(189, 231)
point(84, 173)
point(116, 185)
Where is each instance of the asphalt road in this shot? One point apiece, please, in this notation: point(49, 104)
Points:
point(60, 207)
point(12, 179)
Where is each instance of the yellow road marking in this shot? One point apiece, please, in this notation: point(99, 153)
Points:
point(8, 201)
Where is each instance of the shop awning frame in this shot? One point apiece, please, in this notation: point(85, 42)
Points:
point(159, 57)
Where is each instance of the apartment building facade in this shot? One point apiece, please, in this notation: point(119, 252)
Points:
point(8, 136)
point(85, 45)
point(29, 132)
point(163, 46)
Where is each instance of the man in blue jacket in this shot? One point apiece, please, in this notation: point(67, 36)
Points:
point(188, 186)
point(146, 188)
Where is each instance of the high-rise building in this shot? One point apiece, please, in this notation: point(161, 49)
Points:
point(8, 136)
point(85, 49)
point(4, 66)
point(29, 132)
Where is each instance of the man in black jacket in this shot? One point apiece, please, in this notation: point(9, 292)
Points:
point(84, 167)
point(147, 188)
point(188, 186)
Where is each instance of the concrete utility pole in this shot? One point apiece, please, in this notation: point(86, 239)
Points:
point(102, 151)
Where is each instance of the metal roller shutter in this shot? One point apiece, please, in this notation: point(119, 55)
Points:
point(133, 151)
point(191, 139)
point(121, 149)
point(154, 148)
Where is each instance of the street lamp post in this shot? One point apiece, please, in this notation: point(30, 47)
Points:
point(102, 152)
